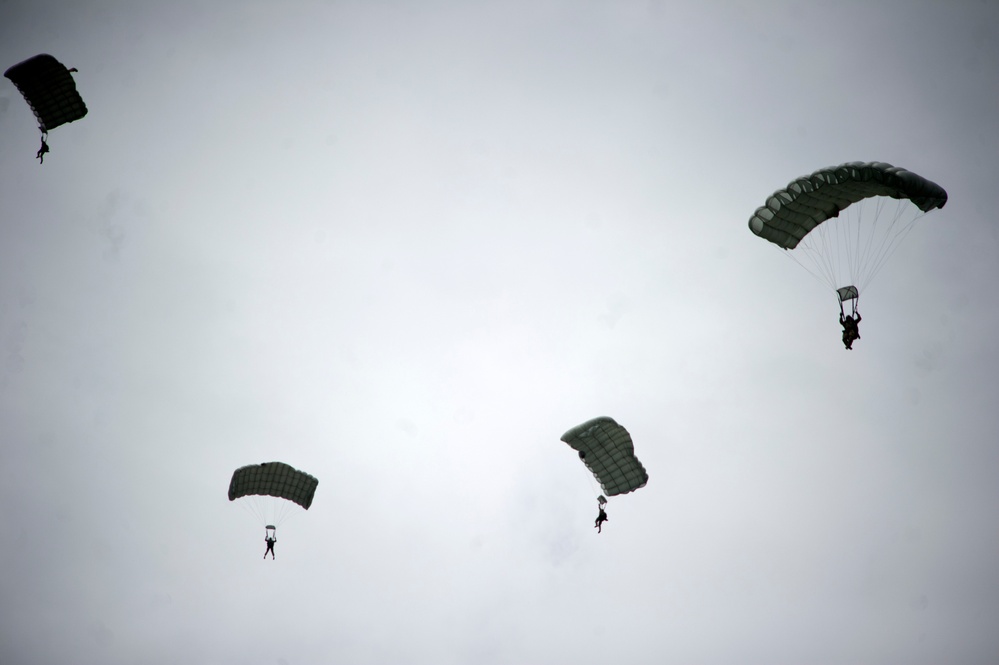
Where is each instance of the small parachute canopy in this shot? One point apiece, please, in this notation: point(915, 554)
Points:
point(49, 89)
point(847, 293)
point(791, 213)
point(608, 452)
point(273, 479)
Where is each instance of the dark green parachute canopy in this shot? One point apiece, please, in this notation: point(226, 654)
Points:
point(791, 213)
point(847, 293)
point(49, 89)
point(273, 479)
point(606, 449)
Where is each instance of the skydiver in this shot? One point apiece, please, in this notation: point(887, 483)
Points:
point(601, 518)
point(270, 540)
point(851, 330)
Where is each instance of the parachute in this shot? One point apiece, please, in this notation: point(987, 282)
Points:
point(271, 489)
point(848, 294)
point(48, 87)
point(848, 253)
point(608, 452)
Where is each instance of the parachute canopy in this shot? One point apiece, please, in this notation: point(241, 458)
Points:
point(791, 213)
point(879, 203)
point(848, 293)
point(606, 449)
point(49, 89)
point(273, 479)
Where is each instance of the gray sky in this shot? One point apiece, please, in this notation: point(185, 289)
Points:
point(405, 246)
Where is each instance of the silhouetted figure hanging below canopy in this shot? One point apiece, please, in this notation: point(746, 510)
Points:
point(601, 518)
point(270, 538)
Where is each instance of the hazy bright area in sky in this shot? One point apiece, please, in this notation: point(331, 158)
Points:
point(404, 246)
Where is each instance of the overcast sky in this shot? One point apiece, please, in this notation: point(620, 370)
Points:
point(404, 246)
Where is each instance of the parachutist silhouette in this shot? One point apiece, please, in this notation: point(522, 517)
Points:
point(270, 540)
point(851, 331)
point(601, 518)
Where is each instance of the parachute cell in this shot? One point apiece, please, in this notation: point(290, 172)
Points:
point(273, 479)
point(608, 452)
